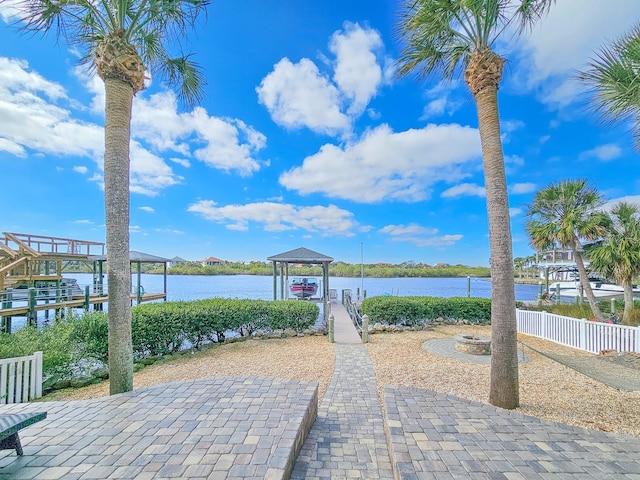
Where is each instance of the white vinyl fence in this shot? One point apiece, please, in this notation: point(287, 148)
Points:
point(583, 334)
point(21, 378)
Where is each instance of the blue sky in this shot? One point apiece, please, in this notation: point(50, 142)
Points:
point(306, 137)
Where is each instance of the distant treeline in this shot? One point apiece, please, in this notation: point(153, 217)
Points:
point(336, 269)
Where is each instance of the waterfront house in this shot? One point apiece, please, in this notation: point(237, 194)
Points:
point(211, 261)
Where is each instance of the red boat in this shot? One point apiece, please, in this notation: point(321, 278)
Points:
point(303, 287)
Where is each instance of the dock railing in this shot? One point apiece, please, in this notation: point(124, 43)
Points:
point(352, 310)
point(21, 378)
point(583, 334)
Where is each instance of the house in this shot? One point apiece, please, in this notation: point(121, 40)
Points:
point(211, 261)
point(176, 261)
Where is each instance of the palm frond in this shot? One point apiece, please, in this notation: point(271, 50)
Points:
point(614, 79)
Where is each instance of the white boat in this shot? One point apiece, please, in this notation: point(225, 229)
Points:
point(602, 289)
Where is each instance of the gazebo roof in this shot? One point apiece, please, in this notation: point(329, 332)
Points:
point(301, 255)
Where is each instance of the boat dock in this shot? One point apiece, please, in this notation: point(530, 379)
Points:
point(31, 276)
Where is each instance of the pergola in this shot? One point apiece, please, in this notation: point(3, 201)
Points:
point(136, 258)
point(298, 256)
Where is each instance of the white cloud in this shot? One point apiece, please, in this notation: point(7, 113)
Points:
point(514, 212)
point(169, 230)
point(632, 199)
point(83, 222)
point(419, 236)
point(464, 190)
point(604, 153)
point(182, 162)
point(31, 119)
point(388, 165)
point(10, 10)
point(525, 187)
point(298, 95)
point(440, 99)
point(411, 229)
point(225, 144)
point(580, 27)
point(147, 209)
point(357, 72)
point(276, 217)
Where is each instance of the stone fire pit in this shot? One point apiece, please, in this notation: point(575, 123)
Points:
point(472, 344)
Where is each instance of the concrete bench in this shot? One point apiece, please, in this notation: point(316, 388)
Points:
point(11, 424)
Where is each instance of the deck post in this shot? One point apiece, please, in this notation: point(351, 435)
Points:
point(86, 298)
point(31, 303)
point(8, 303)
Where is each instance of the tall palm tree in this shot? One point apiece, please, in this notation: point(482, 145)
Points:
point(614, 76)
point(123, 41)
point(563, 214)
point(618, 255)
point(449, 37)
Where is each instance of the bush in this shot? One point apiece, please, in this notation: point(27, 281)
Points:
point(59, 351)
point(76, 343)
point(414, 310)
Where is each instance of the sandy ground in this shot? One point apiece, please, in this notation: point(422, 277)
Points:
point(547, 389)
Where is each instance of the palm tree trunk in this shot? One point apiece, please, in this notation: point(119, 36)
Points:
point(584, 280)
point(628, 302)
point(504, 332)
point(119, 98)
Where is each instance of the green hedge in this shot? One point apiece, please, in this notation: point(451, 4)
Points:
point(416, 310)
point(156, 328)
point(163, 328)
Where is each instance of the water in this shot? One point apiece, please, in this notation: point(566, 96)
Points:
point(195, 287)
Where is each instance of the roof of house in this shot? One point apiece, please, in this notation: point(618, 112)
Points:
point(211, 259)
point(178, 259)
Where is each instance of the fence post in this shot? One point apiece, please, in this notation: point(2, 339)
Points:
point(38, 374)
point(331, 326)
point(365, 329)
point(637, 350)
point(543, 326)
point(583, 334)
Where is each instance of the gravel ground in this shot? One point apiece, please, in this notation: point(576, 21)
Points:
point(547, 389)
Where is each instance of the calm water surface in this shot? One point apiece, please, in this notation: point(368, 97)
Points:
point(194, 287)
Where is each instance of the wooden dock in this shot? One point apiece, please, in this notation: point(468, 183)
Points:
point(32, 264)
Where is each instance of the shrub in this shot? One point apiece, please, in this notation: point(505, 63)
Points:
point(59, 351)
point(91, 334)
point(413, 310)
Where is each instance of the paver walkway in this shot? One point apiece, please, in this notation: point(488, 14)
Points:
point(348, 439)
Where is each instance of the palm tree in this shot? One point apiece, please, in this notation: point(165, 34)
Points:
point(123, 41)
point(615, 79)
point(453, 36)
point(562, 214)
point(617, 256)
